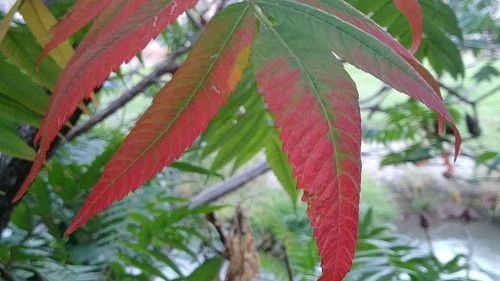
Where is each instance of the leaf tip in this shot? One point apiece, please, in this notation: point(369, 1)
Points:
point(413, 13)
point(70, 229)
point(458, 142)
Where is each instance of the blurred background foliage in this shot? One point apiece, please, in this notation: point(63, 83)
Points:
point(155, 233)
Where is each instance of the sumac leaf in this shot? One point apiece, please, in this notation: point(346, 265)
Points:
point(80, 14)
point(350, 37)
point(180, 112)
point(133, 25)
point(316, 110)
point(411, 10)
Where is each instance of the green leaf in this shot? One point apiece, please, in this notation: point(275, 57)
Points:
point(253, 145)
point(146, 268)
point(22, 217)
point(40, 193)
point(208, 271)
point(278, 161)
point(188, 167)
point(20, 47)
point(484, 157)
point(223, 124)
point(486, 73)
point(12, 144)
point(5, 24)
point(442, 53)
point(412, 154)
point(241, 134)
point(141, 249)
point(239, 129)
point(40, 20)
point(20, 88)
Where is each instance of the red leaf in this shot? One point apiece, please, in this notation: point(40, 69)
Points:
point(180, 112)
point(411, 9)
point(315, 104)
point(306, 52)
point(79, 15)
point(418, 88)
point(132, 27)
point(349, 14)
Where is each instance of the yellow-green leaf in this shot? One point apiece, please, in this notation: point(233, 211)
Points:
point(40, 20)
point(5, 24)
point(12, 144)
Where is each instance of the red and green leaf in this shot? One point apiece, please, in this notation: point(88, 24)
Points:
point(411, 10)
point(180, 112)
point(316, 109)
point(358, 40)
point(118, 41)
point(298, 90)
point(349, 14)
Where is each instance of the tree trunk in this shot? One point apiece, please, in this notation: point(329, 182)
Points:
point(13, 171)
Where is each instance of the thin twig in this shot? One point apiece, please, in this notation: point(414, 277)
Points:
point(5, 274)
point(169, 66)
point(215, 222)
point(487, 94)
point(380, 92)
point(223, 188)
point(456, 94)
point(288, 264)
point(193, 21)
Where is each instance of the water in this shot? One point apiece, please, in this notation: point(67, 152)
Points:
point(481, 238)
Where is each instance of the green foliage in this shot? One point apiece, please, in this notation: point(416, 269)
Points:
point(151, 231)
point(486, 73)
point(22, 50)
point(278, 161)
point(242, 129)
point(383, 255)
point(13, 144)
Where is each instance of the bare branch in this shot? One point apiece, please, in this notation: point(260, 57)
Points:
point(169, 66)
point(286, 260)
point(456, 94)
point(223, 188)
point(491, 92)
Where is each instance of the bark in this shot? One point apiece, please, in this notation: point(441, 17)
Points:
point(13, 171)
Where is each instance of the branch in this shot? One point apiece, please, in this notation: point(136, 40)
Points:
point(456, 94)
point(487, 94)
point(6, 274)
point(380, 92)
point(286, 260)
point(221, 189)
